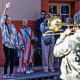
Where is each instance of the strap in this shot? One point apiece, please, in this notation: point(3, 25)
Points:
point(28, 34)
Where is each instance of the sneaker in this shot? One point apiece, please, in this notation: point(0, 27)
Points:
point(12, 76)
point(28, 72)
point(6, 76)
point(31, 71)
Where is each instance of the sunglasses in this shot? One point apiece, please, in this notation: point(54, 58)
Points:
point(42, 14)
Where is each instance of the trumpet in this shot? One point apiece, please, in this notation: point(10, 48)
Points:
point(55, 23)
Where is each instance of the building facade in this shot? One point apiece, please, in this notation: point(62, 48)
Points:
point(31, 10)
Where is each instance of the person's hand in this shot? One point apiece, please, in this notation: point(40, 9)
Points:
point(32, 38)
point(17, 46)
point(23, 49)
point(8, 5)
point(45, 22)
point(67, 32)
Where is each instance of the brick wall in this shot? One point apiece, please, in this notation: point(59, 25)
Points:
point(45, 5)
point(77, 6)
point(2, 57)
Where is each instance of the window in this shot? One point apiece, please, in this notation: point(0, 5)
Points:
point(59, 8)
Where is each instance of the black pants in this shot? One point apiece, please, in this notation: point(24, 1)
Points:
point(9, 55)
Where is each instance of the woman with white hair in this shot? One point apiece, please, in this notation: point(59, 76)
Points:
point(26, 48)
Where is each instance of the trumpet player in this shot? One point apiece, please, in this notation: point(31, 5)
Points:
point(68, 48)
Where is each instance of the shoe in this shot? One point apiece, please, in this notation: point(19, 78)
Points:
point(31, 71)
point(28, 72)
point(52, 70)
point(45, 70)
point(6, 76)
point(12, 76)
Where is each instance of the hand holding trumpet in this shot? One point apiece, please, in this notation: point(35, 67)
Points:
point(67, 32)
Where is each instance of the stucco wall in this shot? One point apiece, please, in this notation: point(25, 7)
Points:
point(21, 9)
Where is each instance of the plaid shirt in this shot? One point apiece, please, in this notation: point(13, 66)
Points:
point(9, 34)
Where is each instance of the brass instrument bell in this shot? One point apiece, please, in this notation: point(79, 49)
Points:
point(55, 23)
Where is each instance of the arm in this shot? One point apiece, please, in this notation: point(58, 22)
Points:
point(62, 47)
point(63, 35)
point(4, 13)
point(5, 10)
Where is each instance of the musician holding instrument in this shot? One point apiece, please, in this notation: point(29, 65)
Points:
point(67, 20)
point(68, 47)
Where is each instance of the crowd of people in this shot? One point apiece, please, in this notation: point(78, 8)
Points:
point(67, 45)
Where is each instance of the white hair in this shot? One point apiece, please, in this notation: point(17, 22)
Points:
point(25, 20)
point(77, 18)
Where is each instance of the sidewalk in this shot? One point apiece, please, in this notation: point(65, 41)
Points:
point(37, 70)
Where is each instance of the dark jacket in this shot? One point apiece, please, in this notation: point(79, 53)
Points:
point(37, 26)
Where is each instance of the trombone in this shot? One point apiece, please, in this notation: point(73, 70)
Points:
point(55, 23)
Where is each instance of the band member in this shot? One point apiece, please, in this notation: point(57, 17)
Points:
point(9, 39)
point(68, 47)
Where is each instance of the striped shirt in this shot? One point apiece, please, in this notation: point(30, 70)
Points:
point(9, 34)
